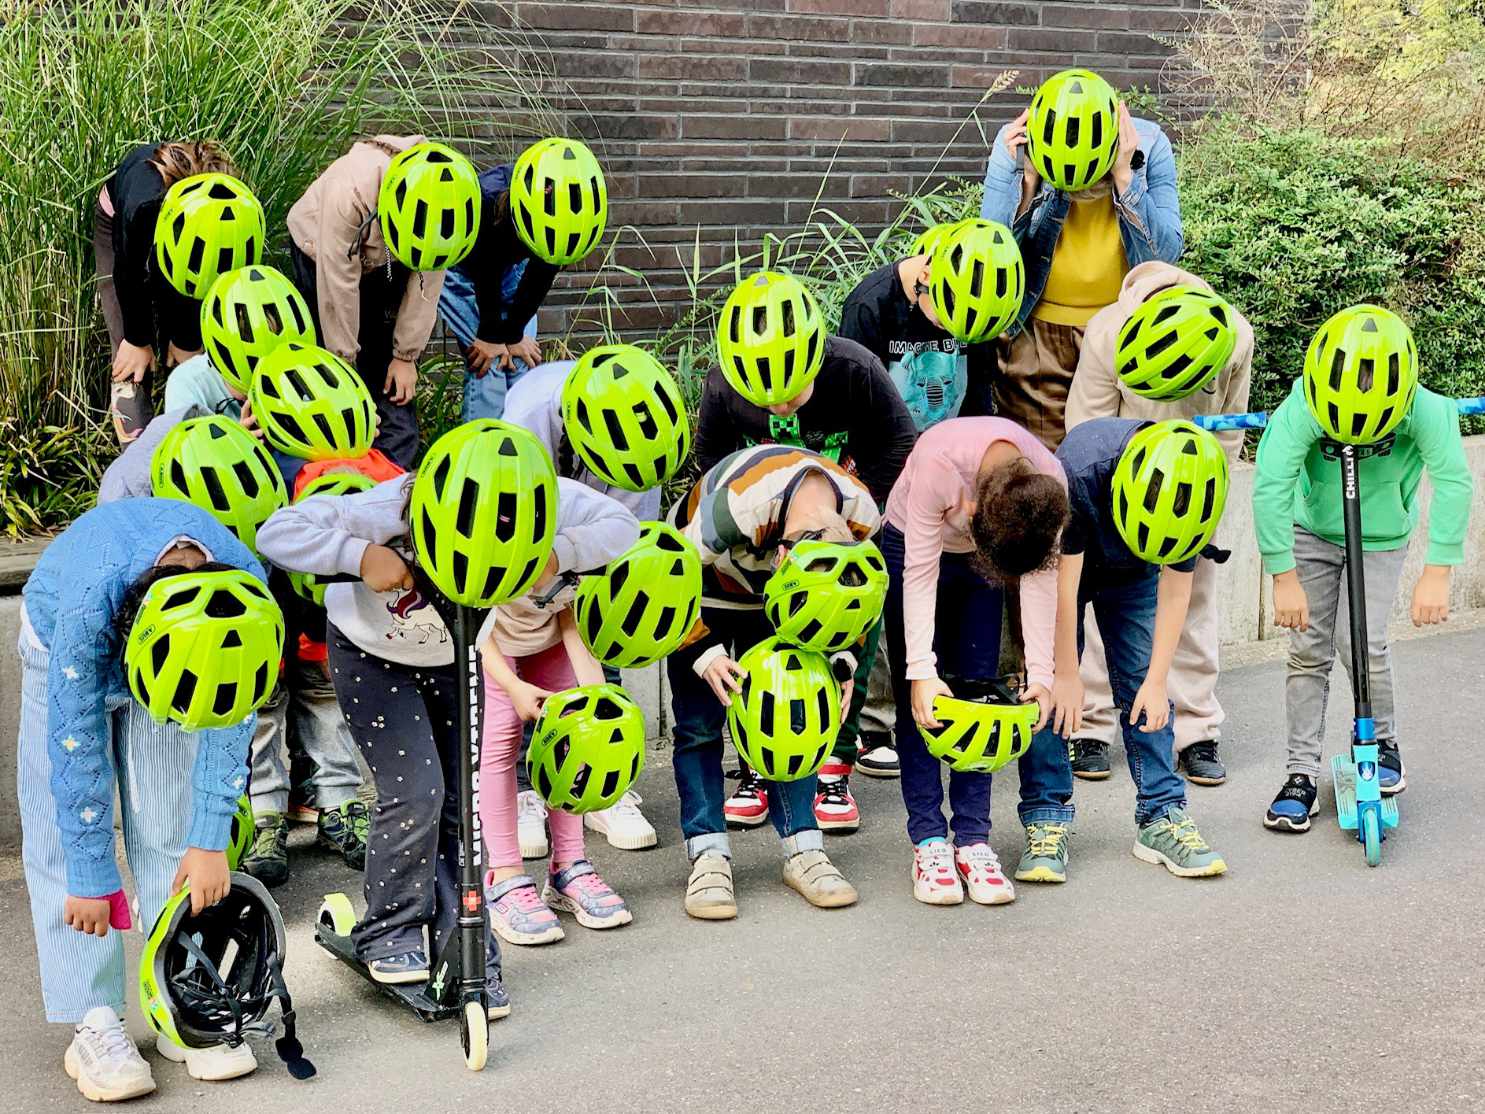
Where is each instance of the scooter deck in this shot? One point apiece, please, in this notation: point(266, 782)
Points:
point(1343, 771)
point(412, 995)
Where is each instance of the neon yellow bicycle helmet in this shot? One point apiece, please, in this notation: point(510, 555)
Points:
point(770, 338)
point(927, 240)
point(587, 748)
point(825, 596)
point(484, 512)
point(219, 466)
point(1072, 132)
point(209, 224)
point(625, 417)
point(983, 729)
point(204, 649)
point(312, 404)
point(1360, 374)
point(1175, 343)
point(1169, 488)
point(429, 207)
point(241, 835)
point(976, 280)
point(558, 200)
point(246, 315)
point(308, 585)
point(785, 719)
point(644, 604)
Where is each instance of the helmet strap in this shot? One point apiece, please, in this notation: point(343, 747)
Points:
point(289, 1050)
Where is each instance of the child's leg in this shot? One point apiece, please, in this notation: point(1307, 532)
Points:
point(1045, 769)
point(501, 739)
point(1382, 571)
point(1312, 652)
point(697, 717)
point(551, 670)
point(316, 722)
point(269, 784)
point(1196, 666)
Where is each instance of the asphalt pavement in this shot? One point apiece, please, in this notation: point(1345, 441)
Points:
point(1301, 980)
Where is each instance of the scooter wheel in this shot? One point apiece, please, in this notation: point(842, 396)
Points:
point(1371, 837)
point(336, 915)
point(476, 1036)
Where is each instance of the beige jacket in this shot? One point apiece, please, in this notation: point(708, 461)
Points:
point(335, 224)
point(1098, 393)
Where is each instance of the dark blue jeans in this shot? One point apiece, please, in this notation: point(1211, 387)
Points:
point(698, 717)
point(1125, 610)
point(966, 639)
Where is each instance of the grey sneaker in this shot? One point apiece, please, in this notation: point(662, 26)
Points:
point(104, 1060)
point(267, 859)
point(1044, 858)
point(1173, 842)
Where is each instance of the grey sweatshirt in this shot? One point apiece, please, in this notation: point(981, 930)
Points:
point(129, 476)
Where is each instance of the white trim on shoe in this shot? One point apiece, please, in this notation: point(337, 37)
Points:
point(210, 1065)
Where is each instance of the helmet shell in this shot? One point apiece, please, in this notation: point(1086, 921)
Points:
point(558, 200)
point(1072, 131)
point(484, 512)
point(205, 648)
point(825, 596)
point(312, 404)
point(1175, 343)
point(770, 338)
point(625, 417)
point(309, 585)
point(979, 737)
point(1169, 489)
point(1361, 374)
point(246, 315)
point(976, 280)
point(642, 607)
point(219, 466)
point(241, 836)
point(929, 239)
point(209, 224)
point(784, 720)
point(587, 749)
point(429, 207)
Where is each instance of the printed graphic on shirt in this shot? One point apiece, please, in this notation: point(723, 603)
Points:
point(414, 620)
point(932, 376)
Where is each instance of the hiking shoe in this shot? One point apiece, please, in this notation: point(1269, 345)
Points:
point(531, 824)
point(267, 859)
point(1392, 776)
point(1044, 858)
point(709, 893)
point(748, 805)
point(517, 913)
point(1200, 764)
point(877, 758)
point(399, 968)
point(211, 1065)
point(580, 891)
point(835, 808)
point(984, 881)
point(1173, 842)
point(623, 824)
point(815, 878)
point(934, 880)
point(1090, 759)
point(104, 1060)
point(345, 829)
point(1293, 807)
point(497, 998)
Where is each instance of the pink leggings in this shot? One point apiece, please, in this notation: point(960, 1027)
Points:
point(550, 670)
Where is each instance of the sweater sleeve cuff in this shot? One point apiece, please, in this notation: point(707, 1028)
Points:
point(1276, 563)
point(86, 879)
point(1444, 553)
point(1039, 677)
point(209, 829)
point(352, 552)
point(565, 552)
point(924, 670)
point(709, 656)
point(411, 355)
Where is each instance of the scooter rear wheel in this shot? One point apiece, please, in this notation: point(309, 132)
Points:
point(1371, 836)
point(475, 1026)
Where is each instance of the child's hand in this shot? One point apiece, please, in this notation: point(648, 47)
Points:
point(1154, 703)
point(1291, 606)
point(382, 570)
point(207, 875)
point(724, 676)
point(87, 914)
point(528, 699)
point(1043, 698)
point(1067, 703)
point(1431, 596)
point(845, 698)
point(925, 691)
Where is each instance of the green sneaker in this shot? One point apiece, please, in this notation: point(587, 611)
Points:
point(267, 859)
point(1045, 857)
point(1174, 843)
point(345, 829)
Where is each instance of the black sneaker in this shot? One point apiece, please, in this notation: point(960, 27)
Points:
point(1090, 759)
point(1392, 776)
point(877, 757)
point(344, 830)
point(1200, 764)
point(267, 859)
point(1293, 807)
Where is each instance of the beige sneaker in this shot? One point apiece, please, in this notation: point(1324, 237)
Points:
point(709, 893)
point(815, 878)
point(104, 1060)
point(211, 1065)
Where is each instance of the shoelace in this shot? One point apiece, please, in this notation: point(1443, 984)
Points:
point(113, 1042)
point(594, 887)
point(1046, 839)
point(525, 899)
point(358, 820)
point(1184, 832)
point(749, 784)
point(628, 805)
point(834, 793)
point(270, 839)
point(529, 804)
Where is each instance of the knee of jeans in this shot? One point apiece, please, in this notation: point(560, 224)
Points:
point(1311, 658)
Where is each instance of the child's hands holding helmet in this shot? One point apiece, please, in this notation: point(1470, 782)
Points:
point(382, 570)
point(207, 875)
point(925, 692)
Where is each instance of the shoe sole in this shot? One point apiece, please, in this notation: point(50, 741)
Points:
point(495, 1013)
point(841, 827)
point(553, 935)
point(994, 895)
point(622, 843)
point(535, 850)
point(712, 912)
point(402, 978)
point(944, 899)
point(1040, 874)
point(559, 902)
point(1150, 855)
point(842, 902)
point(885, 775)
point(1206, 780)
point(302, 814)
point(1396, 789)
point(1093, 775)
point(178, 1055)
point(1286, 824)
point(746, 821)
point(93, 1092)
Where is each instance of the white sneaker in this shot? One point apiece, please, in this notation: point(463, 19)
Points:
point(211, 1065)
point(105, 1061)
point(531, 824)
point(624, 824)
point(983, 878)
point(934, 879)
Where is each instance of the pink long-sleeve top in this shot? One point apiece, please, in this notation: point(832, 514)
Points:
point(931, 505)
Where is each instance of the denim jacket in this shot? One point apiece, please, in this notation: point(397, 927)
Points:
point(1149, 213)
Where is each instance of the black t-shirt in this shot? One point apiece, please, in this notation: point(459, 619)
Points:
point(854, 416)
point(497, 248)
point(937, 377)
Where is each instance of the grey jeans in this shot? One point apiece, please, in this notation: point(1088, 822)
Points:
point(879, 713)
point(302, 714)
point(1312, 653)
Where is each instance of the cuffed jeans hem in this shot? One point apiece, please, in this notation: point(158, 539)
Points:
point(74, 1017)
point(699, 845)
point(1046, 815)
point(811, 839)
point(271, 802)
point(336, 797)
point(1144, 817)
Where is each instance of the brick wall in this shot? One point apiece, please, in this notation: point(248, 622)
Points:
point(726, 116)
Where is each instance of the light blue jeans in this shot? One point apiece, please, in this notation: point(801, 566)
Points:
point(484, 395)
point(303, 714)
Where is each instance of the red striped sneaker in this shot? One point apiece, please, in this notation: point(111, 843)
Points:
point(835, 808)
point(748, 805)
point(983, 878)
point(934, 879)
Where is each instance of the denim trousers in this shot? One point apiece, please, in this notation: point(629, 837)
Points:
point(484, 395)
point(302, 717)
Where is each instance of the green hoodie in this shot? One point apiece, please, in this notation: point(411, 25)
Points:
point(1296, 484)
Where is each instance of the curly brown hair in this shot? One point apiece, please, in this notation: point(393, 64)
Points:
point(1018, 521)
point(179, 159)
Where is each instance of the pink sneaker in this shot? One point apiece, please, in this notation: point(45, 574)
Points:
point(580, 891)
point(518, 915)
point(980, 869)
point(934, 880)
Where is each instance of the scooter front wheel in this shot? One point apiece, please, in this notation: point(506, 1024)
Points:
point(1371, 836)
point(476, 1035)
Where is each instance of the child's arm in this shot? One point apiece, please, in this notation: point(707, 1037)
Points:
point(593, 529)
point(1170, 617)
point(1434, 425)
point(584, 665)
point(1067, 683)
point(217, 780)
point(717, 433)
point(1290, 435)
point(342, 535)
point(934, 486)
point(526, 697)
